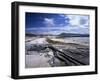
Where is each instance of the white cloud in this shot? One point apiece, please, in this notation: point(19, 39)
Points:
point(78, 20)
point(74, 20)
point(76, 29)
point(49, 22)
point(62, 15)
point(58, 30)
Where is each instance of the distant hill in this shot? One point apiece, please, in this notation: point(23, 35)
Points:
point(30, 35)
point(60, 35)
point(72, 35)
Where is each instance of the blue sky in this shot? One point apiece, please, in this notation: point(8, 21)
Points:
point(47, 23)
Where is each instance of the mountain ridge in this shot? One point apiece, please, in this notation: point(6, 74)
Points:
point(60, 35)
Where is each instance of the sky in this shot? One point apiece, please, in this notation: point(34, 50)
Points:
point(48, 23)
